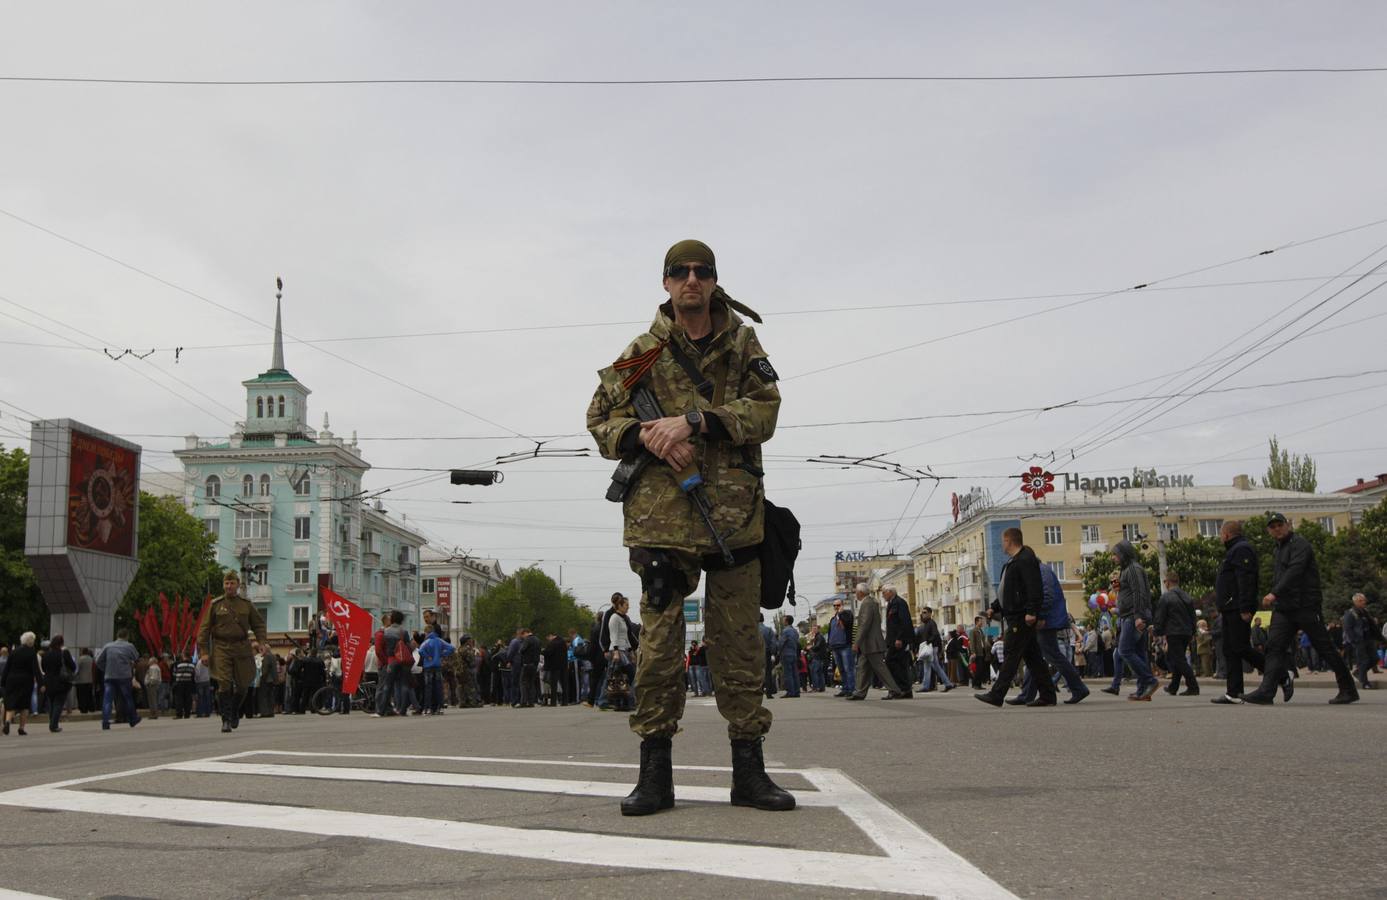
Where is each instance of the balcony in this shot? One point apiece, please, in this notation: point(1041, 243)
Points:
point(971, 593)
point(370, 560)
point(1089, 548)
point(350, 550)
point(931, 575)
point(258, 546)
point(257, 593)
point(296, 588)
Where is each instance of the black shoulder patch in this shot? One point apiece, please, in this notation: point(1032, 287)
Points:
point(763, 369)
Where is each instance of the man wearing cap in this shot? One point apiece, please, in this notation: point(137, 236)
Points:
point(224, 640)
point(1297, 604)
point(717, 392)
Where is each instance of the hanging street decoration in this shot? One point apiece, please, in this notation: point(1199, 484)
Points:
point(1037, 483)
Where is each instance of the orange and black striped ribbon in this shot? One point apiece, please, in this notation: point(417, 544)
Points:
point(639, 365)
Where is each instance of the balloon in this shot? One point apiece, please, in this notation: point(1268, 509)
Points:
point(1093, 602)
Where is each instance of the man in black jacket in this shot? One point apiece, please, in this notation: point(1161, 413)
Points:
point(1022, 595)
point(1297, 604)
point(900, 641)
point(555, 667)
point(1360, 633)
point(1235, 589)
point(530, 650)
point(840, 641)
point(1175, 621)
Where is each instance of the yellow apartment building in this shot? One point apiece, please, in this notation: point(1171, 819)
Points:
point(958, 569)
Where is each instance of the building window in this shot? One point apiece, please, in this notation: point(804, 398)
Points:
point(260, 407)
point(1327, 523)
point(264, 485)
point(251, 526)
point(1053, 535)
point(1085, 562)
point(299, 617)
point(301, 571)
point(1058, 568)
point(426, 585)
point(302, 488)
point(281, 406)
point(213, 526)
point(1131, 532)
point(213, 487)
point(248, 486)
point(258, 574)
point(1092, 534)
point(302, 528)
point(1210, 528)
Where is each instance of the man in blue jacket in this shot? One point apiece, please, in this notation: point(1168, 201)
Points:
point(431, 655)
point(788, 645)
point(768, 640)
point(1054, 618)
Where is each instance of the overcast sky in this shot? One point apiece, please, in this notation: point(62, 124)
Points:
point(395, 210)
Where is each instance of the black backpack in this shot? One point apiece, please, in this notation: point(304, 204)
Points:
point(779, 548)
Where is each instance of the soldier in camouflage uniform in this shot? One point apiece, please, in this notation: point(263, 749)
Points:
point(224, 640)
point(717, 425)
point(463, 663)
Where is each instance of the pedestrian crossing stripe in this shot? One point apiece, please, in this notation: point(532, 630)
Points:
point(912, 861)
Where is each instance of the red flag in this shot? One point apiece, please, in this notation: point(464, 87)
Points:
point(206, 605)
point(353, 626)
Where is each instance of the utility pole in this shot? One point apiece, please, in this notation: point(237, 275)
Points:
point(1160, 541)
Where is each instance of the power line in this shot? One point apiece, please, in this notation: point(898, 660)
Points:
point(879, 307)
point(661, 82)
point(1073, 303)
point(195, 295)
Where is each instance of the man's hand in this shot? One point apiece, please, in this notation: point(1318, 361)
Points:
point(1141, 624)
point(1269, 599)
point(1247, 617)
point(659, 435)
point(1030, 620)
point(898, 645)
point(679, 456)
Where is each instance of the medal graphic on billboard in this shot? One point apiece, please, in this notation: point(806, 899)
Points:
point(101, 496)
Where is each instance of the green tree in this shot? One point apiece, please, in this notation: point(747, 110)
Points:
point(1289, 473)
point(177, 557)
point(529, 599)
point(1195, 560)
point(21, 605)
point(1356, 570)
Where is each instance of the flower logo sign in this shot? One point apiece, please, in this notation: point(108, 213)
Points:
point(1037, 483)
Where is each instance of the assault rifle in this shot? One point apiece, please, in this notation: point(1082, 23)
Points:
point(628, 472)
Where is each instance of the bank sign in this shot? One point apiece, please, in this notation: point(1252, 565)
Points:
point(1139, 478)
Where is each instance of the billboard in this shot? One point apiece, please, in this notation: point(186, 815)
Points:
point(443, 594)
point(81, 529)
point(101, 495)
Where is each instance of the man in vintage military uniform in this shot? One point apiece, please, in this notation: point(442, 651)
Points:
point(716, 390)
point(224, 641)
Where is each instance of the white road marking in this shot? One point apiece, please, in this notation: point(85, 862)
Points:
point(488, 759)
point(915, 862)
point(699, 794)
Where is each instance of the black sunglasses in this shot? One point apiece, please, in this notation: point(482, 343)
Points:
point(681, 271)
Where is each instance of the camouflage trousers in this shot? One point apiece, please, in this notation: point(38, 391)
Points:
point(731, 616)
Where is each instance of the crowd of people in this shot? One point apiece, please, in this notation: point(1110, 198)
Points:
point(877, 645)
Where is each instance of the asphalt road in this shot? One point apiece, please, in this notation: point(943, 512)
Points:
point(938, 796)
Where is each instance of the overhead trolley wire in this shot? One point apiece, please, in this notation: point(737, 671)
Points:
point(664, 82)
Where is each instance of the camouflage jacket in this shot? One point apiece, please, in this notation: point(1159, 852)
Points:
point(746, 402)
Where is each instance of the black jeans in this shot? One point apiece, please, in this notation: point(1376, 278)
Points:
point(182, 699)
point(1365, 654)
point(901, 666)
point(57, 696)
point(1019, 644)
point(1281, 635)
point(1237, 647)
point(529, 684)
point(1178, 663)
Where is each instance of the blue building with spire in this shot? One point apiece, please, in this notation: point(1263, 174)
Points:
point(287, 506)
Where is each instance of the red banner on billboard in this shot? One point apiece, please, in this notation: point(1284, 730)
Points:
point(101, 496)
point(353, 626)
point(443, 594)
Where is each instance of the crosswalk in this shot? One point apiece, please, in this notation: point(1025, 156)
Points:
point(908, 861)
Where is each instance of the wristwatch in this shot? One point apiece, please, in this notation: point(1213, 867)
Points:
point(695, 420)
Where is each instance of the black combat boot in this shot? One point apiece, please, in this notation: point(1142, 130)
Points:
point(751, 786)
point(655, 789)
